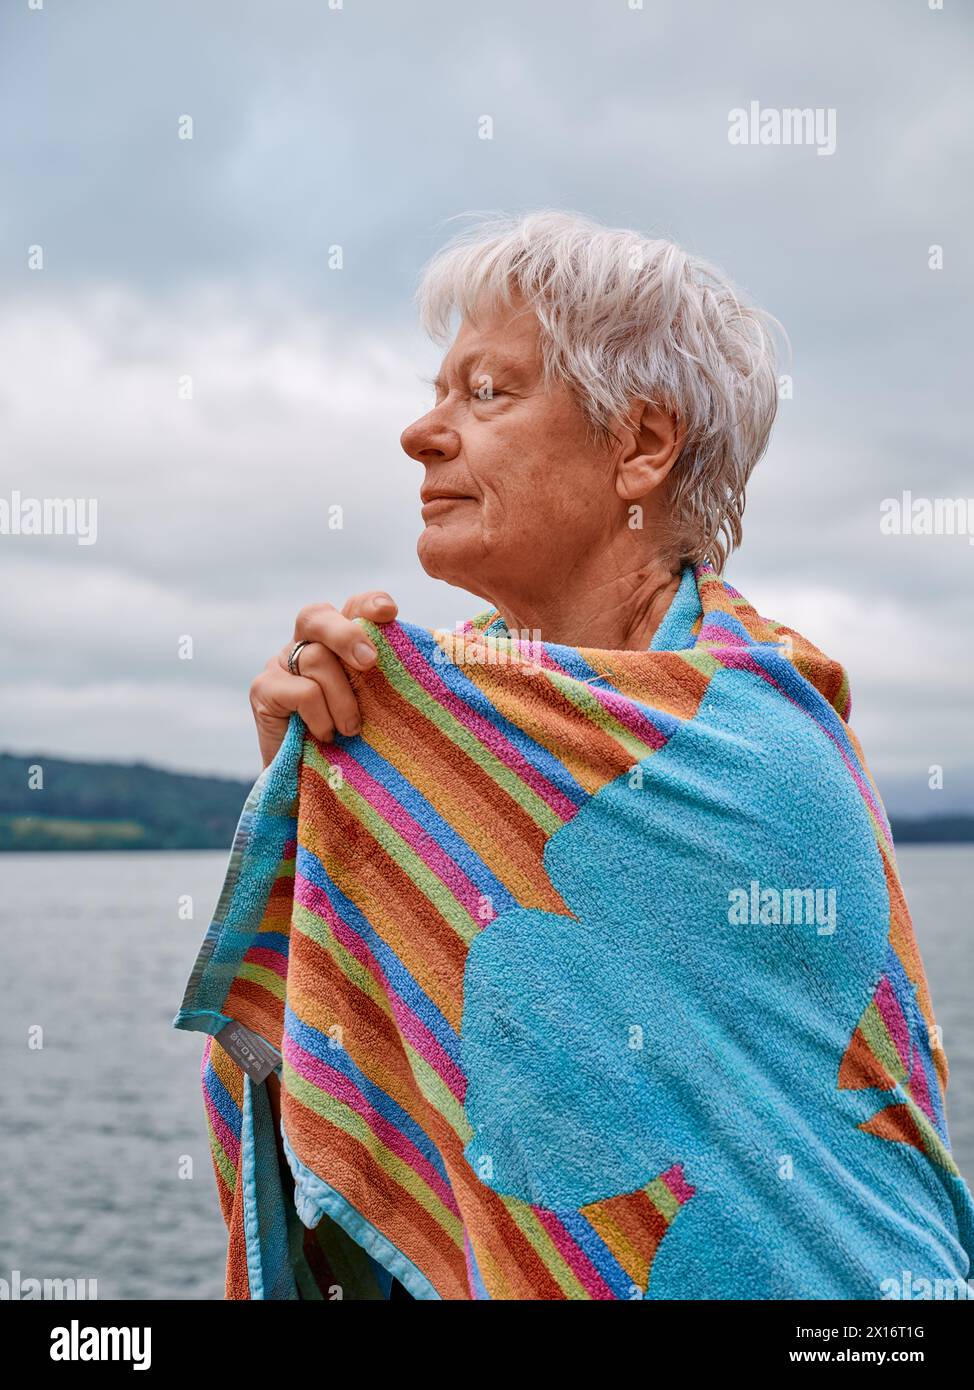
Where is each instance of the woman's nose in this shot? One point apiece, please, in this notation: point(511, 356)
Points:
point(428, 440)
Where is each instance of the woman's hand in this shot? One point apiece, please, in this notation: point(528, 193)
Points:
point(321, 694)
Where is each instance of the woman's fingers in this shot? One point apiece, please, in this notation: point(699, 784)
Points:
point(316, 663)
point(320, 690)
point(374, 604)
point(275, 695)
point(322, 622)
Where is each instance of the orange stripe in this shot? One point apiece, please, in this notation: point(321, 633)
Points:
point(397, 909)
point(368, 1034)
point(347, 1167)
point(675, 688)
point(464, 795)
point(251, 1004)
point(592, 756)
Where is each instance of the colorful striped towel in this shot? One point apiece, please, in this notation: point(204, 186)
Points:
point(586, 974)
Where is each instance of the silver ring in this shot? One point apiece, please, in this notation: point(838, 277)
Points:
point(294, 658)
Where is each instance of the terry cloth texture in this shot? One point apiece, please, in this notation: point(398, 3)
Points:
point(587, 974)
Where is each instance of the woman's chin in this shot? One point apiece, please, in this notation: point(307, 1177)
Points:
point(446, 554)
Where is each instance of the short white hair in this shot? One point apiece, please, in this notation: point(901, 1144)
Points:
point(622, 317)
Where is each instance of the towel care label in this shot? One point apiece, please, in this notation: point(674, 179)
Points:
point(250, 1052)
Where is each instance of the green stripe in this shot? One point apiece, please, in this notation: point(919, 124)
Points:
point(531, 1228)
point(582, 698)
point(356, 1128)
point(431, 1084)
point(935, 1147)
point(876, 1033)
point(261, 975)
point(662, 1199)
point(701, 660)
point(431, 886)
point(227, 1170)
point(517, 789)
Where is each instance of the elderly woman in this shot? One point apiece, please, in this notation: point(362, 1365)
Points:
point(597, 418)
point(565, 956)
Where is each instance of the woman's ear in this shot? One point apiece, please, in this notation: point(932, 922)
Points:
point(652, 442)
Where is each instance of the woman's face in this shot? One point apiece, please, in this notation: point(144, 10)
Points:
point(516, 487)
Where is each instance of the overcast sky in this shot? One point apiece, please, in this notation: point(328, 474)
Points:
point(313, 127)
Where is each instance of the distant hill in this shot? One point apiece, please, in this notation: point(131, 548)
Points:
point(940, 830)
point(133, 806)
point(114, 806)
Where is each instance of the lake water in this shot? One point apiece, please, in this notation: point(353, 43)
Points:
point(96, 1124)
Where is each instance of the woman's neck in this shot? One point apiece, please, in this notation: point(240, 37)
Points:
point(616, 611)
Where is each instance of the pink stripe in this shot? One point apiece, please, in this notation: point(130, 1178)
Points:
point(629, 716)
point(490, 736)
point(713, 631)
point(706, 574)
point(446, 870)
point(919, 1089)
point(891, 1012)
point(273, 960)
point(576, 1259)
point(535, 654)
point(332, 1083)
point(620, 708)
point(677, 1183)
point(892, 1015)
point(309, 895)
point(226, 1136)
